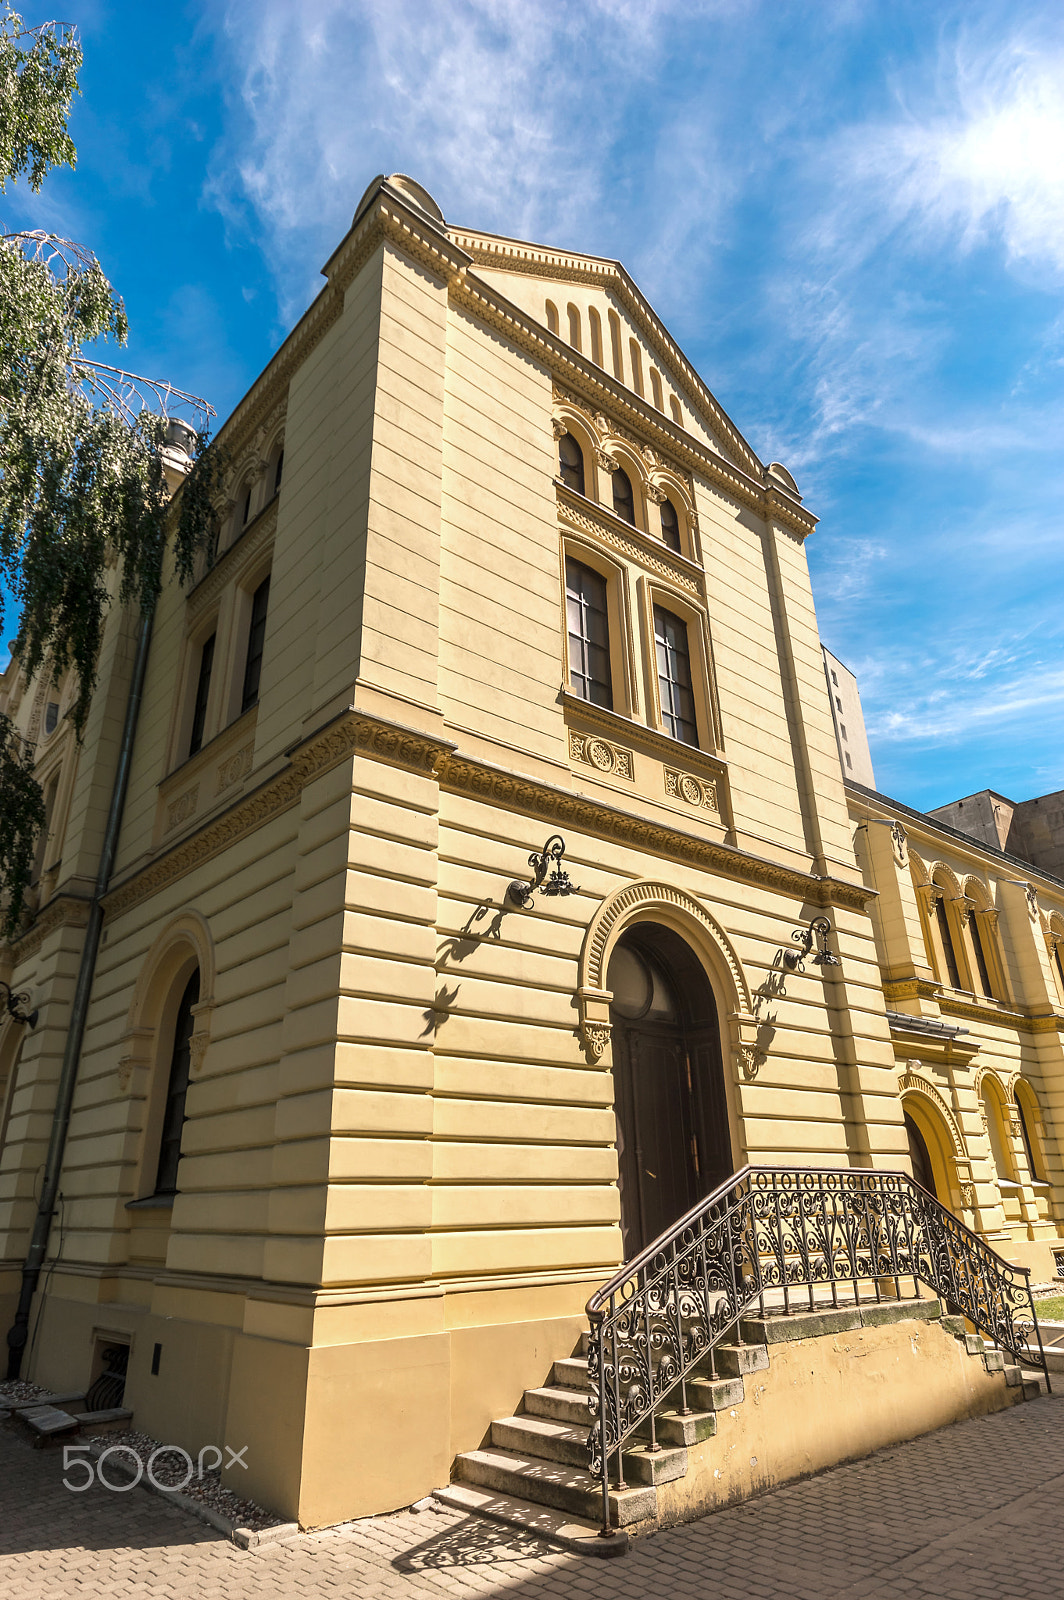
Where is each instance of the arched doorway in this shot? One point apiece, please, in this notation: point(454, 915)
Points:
point(673, 1143)
point(920, 1156)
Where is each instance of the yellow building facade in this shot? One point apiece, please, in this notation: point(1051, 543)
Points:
point(356, 1133)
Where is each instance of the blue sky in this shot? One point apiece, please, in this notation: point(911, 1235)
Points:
point(851, 215)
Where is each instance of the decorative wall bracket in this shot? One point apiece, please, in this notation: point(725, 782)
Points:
point(520, 893)
point(816, 933)
point(753, 1038)
point(18, 1005)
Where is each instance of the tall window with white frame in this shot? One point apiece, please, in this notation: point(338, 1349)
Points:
point(260, 601)
point(177, 1091)
point(674, 677)
point(203, 689)
point(587, 616)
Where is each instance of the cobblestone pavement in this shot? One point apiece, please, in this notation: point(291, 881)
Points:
point(973, 1511)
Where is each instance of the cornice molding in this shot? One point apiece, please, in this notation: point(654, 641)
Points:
point(355, 732)
point(536, 261)
point(65, 911)
point(593, 384)
point(348, 734)
point(480, 780)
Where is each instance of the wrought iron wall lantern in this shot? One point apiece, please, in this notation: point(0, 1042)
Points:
point(520, 893)
point(13, 1002)
point(815, 934)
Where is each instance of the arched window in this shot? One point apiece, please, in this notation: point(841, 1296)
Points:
point(1058, 966)
point(920, 1156)
point(993, 1111)
point(574, 326)
point(948, 954)
point(655, 386)
point(177, 1090)
point(670, 525)
point(675, 408)
point(978, 930)
point(571, 463)
point(552, 316)
point(623, 498)
point(615, 342)
point(278, 471)
point(596, 336)
point(1027, 1107)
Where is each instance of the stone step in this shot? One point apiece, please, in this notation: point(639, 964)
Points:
point(571, 1374)
point(47, 1421)
point(955, 1325)
point(539, 1436)
point(663, 1465)
point(715, 1394)
point(683, 1431)
point(993, 1360)
point(571, 1533)
point(735, 1360)
point(1013, 1377)
point(552, 1483)
point(560, 1405)
point(114, 1417)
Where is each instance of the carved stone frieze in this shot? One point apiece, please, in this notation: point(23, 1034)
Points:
point(700, 792)
point(601, 754)
point(233, 768)
point(179, 810)
point(648, 552)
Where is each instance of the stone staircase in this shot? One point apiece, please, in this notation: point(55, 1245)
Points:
point(532, 1471)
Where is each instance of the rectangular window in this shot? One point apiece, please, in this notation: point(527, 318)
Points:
point(849, 763)
point(834, 679)
point(203, 689)
point(674, 677)
point(256, 639)
point(838, 702)
point(589, 634)
point(842, 729)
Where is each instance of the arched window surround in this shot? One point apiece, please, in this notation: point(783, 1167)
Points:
point(184, 947)
point(994, 1107)
point(1032, 1129)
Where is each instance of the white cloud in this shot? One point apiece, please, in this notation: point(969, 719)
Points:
point(505, 109)
point(988, 166)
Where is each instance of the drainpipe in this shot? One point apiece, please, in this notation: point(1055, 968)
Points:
point(18, 1333)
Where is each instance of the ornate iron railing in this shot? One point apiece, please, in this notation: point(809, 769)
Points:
point(778, 1232)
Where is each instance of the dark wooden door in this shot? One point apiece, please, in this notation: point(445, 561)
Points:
point(672, 1128)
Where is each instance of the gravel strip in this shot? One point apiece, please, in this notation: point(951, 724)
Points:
point(16, 1393)
point(170, 1469)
